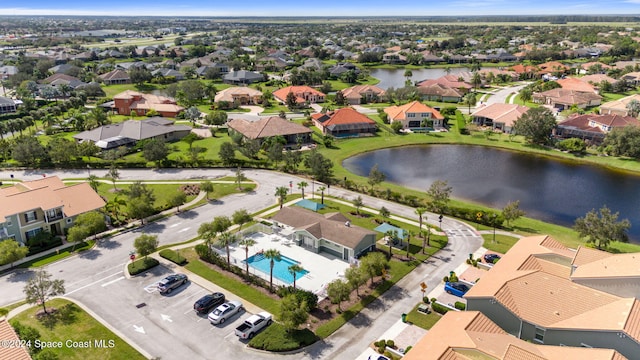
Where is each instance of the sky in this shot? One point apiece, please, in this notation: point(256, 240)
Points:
point(319, 8)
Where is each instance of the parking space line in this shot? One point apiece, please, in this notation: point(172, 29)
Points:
point(93, 283)
point(112, 281)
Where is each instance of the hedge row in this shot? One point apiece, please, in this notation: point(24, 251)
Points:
point(142, 265)
point(439, 308)
point(173, 256)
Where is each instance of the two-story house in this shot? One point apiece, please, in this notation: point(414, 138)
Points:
point(592, 127)
point(303, 94)
point(415, 115)
point(138, 103)
point(46, 204)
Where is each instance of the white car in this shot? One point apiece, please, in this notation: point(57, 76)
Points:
point(223, 312)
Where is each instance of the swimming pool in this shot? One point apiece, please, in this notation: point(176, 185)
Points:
point(280, 267)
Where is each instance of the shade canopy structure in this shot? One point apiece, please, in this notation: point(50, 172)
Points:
point(384, 227)
point(311, 205)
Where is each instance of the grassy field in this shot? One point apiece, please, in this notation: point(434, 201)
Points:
point(425, 321)
point(73, 327)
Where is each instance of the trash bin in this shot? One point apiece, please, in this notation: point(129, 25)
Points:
point(404, 318)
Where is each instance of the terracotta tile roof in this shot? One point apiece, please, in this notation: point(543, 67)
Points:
point(596, 79)
point(591, 122)
point(355, 92)
point(552, 66)
point(559, 278)
point(568, 97)
point(228, 93)
point(267, 127)
point(521, 69)
point(620, 104)
point(452, 81)
point(11, 352)
point(576, 85)
point(439, 90)
point(344, 116)
point(398, 113)
point(149, 101)
point(587, 65)
point(298, 91)
point(329, 226)
point(467, 335)
point(49, 193)
point(501, 113)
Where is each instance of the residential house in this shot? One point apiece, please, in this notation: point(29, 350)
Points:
point(129, 132)
point(632, 78)
point(429, 58)
point(130, 101)
point(331, 233)
point(345, 122)
point(64, 69)
point(340, 68)
point(271, 63)
point(46, 204)
point(438, 92)
point(362, 94)
point(457, 81)
point(543, 292)
point(592, 127)
point(394, 58)
point(498, 116)
point(63, 79)
point(217, 67)
point(165, 73)
point(312, 64)
point(552, 68)
point(304, 94)
point(240, 95)
point(242, 77)
point(575, 84)
point(562, 99)
point(264, 128)
point(472, 335)
point(594, 67)
point(117, 76)
point(9, 335)
point(619, 106)
point(7, 105)
point(415, 115)
point(7, 71)
point(597, 79)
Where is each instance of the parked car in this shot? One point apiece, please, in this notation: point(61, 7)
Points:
point(253, 325)
point(378, 357)
point(491, 258)
point(456, 288)
point(225, 311)
point(166, 285)
point(208, 302)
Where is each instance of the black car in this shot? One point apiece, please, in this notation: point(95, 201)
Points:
point(491, 258)
point(166, 285)
point(206, 303)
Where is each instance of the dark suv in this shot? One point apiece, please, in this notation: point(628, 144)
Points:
point(206, 303)
point(166, 285)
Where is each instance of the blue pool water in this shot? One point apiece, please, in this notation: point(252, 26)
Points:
point(280, 268)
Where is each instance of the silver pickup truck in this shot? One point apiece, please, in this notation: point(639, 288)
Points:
point(253, 325)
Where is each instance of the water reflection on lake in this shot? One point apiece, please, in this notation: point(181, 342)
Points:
point(550, 190)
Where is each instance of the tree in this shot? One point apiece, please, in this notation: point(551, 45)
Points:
point(155, 150)
point(338, 291)
point(216, 118)
point(192, 114)
point(207, 232)
point(384, 212)
point(322, 189)
point(294, 269)
point(11, 251)
point(114, 175)
point(247, 242)
point(139, 75)
point(512, 212)
point(77, 234)
point(340, 99)
point(623, 142)
point(291, 101)
point(602, 228)
point(439, 192)
point(140, 208)
point(396, 127)
point(176, 199)
point(526, 94)
point(27, 150)
point(358, 203)
point(41, 288)
point(301, 185)
point(293, 312)
point(146, 244)
point(241, 217)
point(274, 153)
point(321, 168)
point(355, 277)
point(93, 182)
point(272, 255)
point(240, 177)
point(92, 221)
point(227, 153)
point(281, 193)
point(373, 263)
point(226, 239)
point(207, 186)
point(536, 125)
point(375, 176)
point(470, 99)
point(633, 108)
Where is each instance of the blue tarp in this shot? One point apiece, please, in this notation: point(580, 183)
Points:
point(311, 205)
point(388, 227)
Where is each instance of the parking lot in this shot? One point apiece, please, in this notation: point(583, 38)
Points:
point(163, 325)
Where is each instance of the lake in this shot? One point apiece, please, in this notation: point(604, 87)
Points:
point(549, 190)
point(395, 77)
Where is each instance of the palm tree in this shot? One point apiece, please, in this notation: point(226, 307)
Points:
point(114, 175)
point(247, 242)
point(240, 177)
point(114, 206)
point(226, 239)
point(273, 255)
point(294, 270)
point(281, 193)
point(322, 189)
point(409, 235)
point(301, 185)
point(390, 237)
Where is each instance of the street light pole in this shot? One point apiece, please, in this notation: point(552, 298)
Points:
point(494, 227)
point(89, 169)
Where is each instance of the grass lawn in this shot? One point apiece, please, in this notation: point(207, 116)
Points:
point(502, 244)
point(161, 192)
point(276, 338)
point(59, 255)
point(72, 324)
point(425, 321)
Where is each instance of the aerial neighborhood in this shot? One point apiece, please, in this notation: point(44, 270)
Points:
point(351, 188)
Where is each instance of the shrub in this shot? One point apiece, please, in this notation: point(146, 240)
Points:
point(27, 334)
point(4, 311)
point(469, 261)
point(460, 305)
point(142, 265)
point(425, 300)
point(390, 343)
point(275, 338)
point(475, 263)
point(173, 256)
point(381, 349)
point(433, 299)
point(453, 277)
point(439, 308)
point(445, 279)
point(301, 295)
point(407, 349)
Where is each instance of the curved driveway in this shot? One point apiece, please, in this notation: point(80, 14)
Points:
point(106, 260)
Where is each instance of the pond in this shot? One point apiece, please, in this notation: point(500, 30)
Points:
point(550, 190)
point(395, 77)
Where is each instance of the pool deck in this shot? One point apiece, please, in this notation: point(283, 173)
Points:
point(323, 268)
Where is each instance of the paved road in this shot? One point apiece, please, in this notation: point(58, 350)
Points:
point(500, 96)
point(88, 272)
